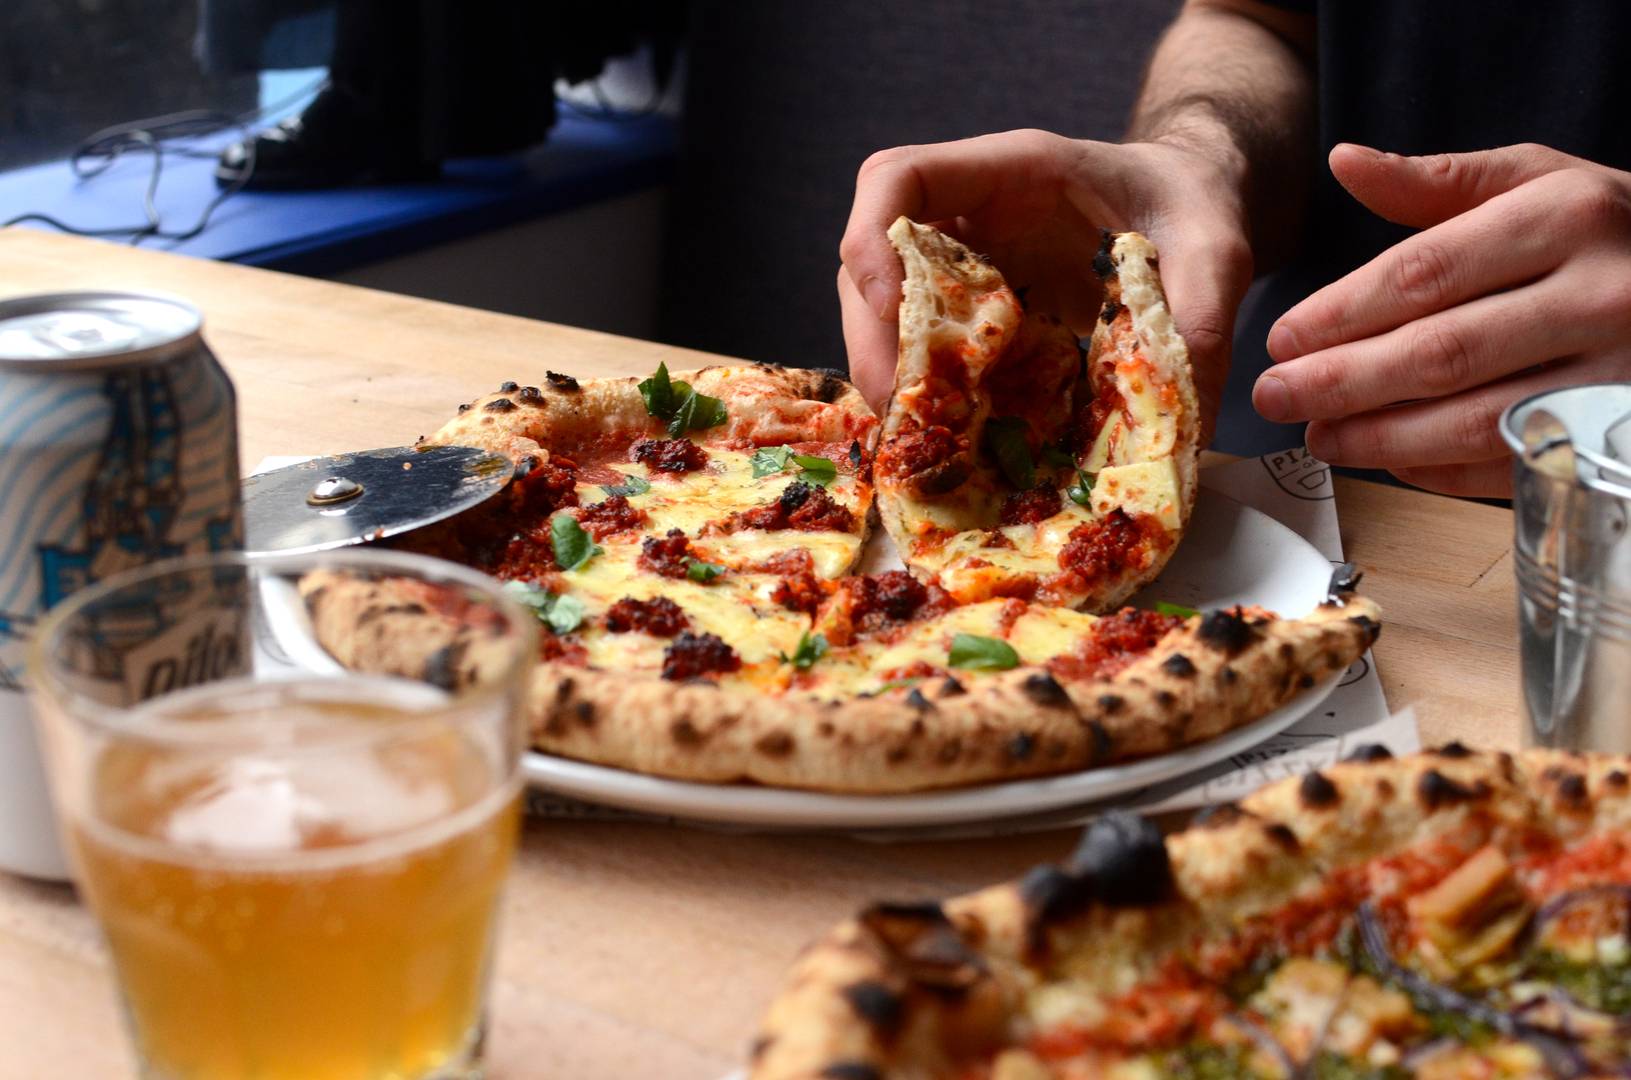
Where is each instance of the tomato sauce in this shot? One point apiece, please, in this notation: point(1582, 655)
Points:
point(669, 455)
point(799, 589)
point(913, 452)
point(800, 506)
point(1110, 547)
point(1029, 507)
point(612, 515)
point(693, 656)
point(666, 555)
point(1114, 643)
point(659, 617)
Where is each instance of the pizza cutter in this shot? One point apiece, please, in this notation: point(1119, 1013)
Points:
point(351, 498)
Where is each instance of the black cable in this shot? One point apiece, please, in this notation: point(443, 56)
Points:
point(97, 153)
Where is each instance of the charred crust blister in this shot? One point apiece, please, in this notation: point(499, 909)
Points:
point(1226, 631)
point(1281, 834)
point(1455, 751)
point(465, 407)
point(1021, 746)
point(1053, 895)
point(917, 701)
point(850, 1070)
point(530, 395)
point(442, 666)
point(1103, 264)
point(1179, 666)
point(1367, 752)
point(1101, 740)
point(502, 404)
point(1111, 310)
point(855, 457)
point(875, 1003)
point(1126, 858)
point(952, 688)
point(1572, 791)
point(509, 386)
point(775, 744)
point(1042, 688)
point(1111, 703)
point(564, 383)
point(1316, 791)
point(1617, 778)
point(830, 389)
point(1437, 790)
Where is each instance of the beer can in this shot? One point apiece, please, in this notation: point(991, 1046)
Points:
point(118, 447)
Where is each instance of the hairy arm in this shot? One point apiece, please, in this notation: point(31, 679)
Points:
point(1232, 80)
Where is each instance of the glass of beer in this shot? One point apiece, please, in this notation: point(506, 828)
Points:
point(290, 791)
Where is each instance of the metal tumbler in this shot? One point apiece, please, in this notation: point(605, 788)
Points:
point(1572, 507)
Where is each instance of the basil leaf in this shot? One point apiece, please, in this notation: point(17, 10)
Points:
point(573, 547)
point(770, 459)
point(978, 653)
point(817, 469)
point(562, 614)
point(528, 595)
point(631, 485)
point(898, 684)
point(1164, 608)
point(658, 393)
point(1081, 491)
point(811, 647)
point(683, 416)
point(565, 614)
point(710, 413)
point(812, 467)
point(1005, 438)
point(694, 412)
point(1056, 457)
point(674, 400)
point(702, 572)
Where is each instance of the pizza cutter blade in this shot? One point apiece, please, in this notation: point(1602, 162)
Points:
point(366, 495)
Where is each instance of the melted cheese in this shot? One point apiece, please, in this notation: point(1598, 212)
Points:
point(1147, 487)
point(690, 501)
point(735, 607)
point(971, 570)
point(1037, 635)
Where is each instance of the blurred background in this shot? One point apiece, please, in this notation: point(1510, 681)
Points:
point(675, 171)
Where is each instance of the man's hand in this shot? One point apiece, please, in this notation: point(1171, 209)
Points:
point(1520, 281)
point(1035, 202)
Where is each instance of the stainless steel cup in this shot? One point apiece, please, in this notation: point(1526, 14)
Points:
point(1572, 507)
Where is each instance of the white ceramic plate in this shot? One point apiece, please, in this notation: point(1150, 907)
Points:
point(1231, 554)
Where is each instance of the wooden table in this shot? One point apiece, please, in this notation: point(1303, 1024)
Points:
point(639, 950)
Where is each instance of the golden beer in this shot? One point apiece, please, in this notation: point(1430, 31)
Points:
point(300, 881)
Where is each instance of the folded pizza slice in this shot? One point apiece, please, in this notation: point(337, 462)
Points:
point(1010, 464)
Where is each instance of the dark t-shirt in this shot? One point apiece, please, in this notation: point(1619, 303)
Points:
point(1426, 77)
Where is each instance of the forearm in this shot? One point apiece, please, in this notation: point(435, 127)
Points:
point(1233, 80)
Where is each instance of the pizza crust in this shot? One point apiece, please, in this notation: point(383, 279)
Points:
point(904, 990)
point(1216, 673)
point(766, 404)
